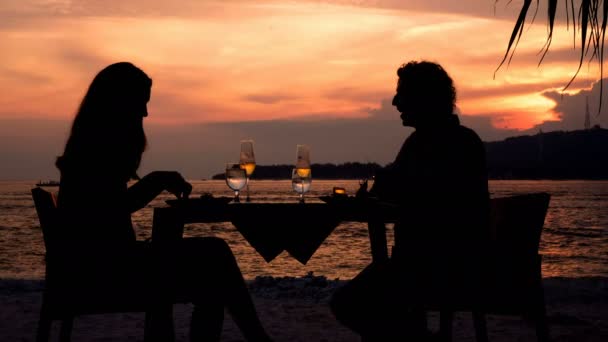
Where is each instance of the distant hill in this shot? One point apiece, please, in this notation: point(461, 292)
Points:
point(554, 155)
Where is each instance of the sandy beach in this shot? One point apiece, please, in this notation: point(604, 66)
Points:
point(295, 309)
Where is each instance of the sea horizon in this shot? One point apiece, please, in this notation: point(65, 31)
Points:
point(574, 240)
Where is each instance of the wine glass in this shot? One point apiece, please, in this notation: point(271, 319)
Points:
point(247, 160)
point(301, 176)
point(300, 181)
point(236, 178)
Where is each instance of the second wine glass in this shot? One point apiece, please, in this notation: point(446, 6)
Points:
point(300, 181)
point(247, 160)
point(301, 176)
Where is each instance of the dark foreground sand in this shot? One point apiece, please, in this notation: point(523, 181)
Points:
point(296, 310)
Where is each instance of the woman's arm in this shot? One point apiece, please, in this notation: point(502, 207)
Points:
point(146, 189)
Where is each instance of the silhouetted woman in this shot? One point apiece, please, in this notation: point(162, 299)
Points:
point(106, 262)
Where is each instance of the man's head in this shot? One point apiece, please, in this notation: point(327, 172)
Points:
point(425, 94)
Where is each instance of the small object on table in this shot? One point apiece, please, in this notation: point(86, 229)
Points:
point(338, 191)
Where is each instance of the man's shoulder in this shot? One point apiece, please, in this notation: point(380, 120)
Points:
point(468, 133)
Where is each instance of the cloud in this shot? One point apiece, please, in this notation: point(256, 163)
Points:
point(477, 8)
point(201, 150)
point(81, 59)
point(30, 146)
point(571, 108)
point(532, 56)
point(11, 75)
point(37, 9)
point(355, 94)
point(484, 126)
point(482, 123)
point(504, 90)
point(10, 10)
point(268, 98)
point(386, 111)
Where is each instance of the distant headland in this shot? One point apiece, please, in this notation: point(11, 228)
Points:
point(556, 155)
point(319, 171)
point(579, 154)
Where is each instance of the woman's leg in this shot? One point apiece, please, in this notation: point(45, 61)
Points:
point(213, 278)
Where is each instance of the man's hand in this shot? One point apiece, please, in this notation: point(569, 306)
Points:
point(362, 192)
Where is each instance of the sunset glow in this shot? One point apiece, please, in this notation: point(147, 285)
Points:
point(265, 60)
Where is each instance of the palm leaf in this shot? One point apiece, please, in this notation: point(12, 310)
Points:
point(587, 28)
point(552, 9)
point(517, 31)
point(603, 30)
point(573, 23)
point(584, 12)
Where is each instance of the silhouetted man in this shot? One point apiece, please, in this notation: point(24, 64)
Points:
point(440, 182)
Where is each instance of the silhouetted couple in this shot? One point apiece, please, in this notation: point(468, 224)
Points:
point(103, 260)
point(439, 180)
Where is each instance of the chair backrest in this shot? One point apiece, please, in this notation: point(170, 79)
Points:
point(515, 279)
point(59, 289)
point(46, 208)
point(516, 222)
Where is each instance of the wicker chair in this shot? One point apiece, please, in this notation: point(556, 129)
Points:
point(512, 279)
point(56, 304)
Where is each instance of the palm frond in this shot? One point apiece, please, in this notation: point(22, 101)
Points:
point(552, 9)
point(517, 31)
point(584, 11)
point(603, 30)
point(589, 27)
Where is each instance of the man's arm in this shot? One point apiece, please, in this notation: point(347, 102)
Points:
point(389, 181)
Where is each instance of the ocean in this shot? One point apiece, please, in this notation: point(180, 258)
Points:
point(574, 240)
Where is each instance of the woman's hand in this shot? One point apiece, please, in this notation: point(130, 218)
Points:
point(173, 182)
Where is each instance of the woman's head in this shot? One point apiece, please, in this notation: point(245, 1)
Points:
point(108, 128)
point(121, 90)
point(425, 93)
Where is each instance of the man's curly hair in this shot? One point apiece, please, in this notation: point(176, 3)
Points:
point(429, 83)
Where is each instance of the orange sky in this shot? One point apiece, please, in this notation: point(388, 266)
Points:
point(260, 60)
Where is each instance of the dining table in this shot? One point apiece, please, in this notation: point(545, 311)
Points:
point(271, 228)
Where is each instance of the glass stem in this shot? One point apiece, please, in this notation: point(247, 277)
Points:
point(302, 198)
point(248, 199)
point(236, 197)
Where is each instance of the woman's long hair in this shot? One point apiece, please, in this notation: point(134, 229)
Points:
point(107, 134)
